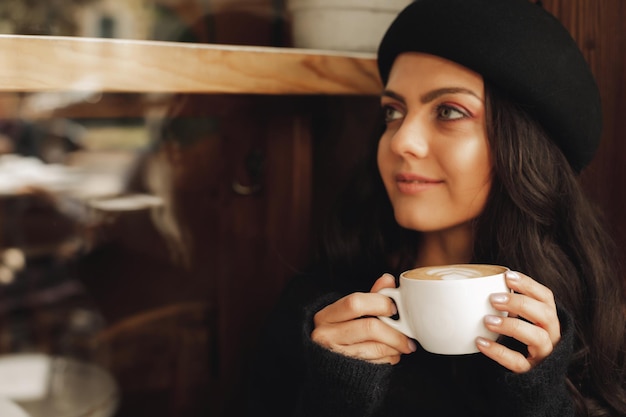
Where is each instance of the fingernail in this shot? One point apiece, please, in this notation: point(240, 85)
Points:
point(483, 342)
point(412, 345)
point(394, 309)
point(499, 298)
point(493, 320)
point(512, 276)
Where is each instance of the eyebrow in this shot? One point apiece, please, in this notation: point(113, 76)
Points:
point(433, 95)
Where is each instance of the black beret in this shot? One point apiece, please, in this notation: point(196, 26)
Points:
point(519, 48)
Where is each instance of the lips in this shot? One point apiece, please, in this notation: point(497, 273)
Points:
point(410, 183)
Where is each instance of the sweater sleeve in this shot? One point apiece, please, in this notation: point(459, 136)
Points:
point(292, 376)
point(542, 391)
point(337, 385)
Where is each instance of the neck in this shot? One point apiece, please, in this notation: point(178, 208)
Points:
point(445, 247)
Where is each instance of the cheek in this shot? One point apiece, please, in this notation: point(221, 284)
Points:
point(469, 162)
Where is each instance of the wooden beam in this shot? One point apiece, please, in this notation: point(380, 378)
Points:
point(48, 63)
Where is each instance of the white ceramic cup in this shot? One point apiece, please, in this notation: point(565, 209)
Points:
point(444, 310)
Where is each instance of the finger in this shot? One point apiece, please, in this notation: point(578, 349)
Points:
point(355, 305)
point(385, 281)
point(537, 312)
point(339, 335)
point(510, 359)
point(537, 339)
point(523, 284)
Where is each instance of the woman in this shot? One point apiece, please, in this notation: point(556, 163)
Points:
point(490, 111)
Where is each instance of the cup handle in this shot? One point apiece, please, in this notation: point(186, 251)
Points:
point(399, 324)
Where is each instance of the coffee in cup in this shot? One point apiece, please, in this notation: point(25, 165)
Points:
point(454, 272)
point(443, 307)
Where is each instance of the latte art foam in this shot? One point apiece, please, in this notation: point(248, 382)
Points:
point(454, 272)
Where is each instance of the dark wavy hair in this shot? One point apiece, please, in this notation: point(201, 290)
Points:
point(537, 220)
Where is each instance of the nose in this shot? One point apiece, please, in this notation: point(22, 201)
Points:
point(411, 138)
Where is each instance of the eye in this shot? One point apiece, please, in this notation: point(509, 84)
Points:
point(391, 114)
point(447, 112)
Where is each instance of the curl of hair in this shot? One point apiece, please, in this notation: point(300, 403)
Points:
point(361, 235)
point(539, 222)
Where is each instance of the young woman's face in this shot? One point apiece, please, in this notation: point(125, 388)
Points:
point(434, 156)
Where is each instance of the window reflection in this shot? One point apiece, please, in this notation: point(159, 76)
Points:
point(118, 209)
point(249, 22)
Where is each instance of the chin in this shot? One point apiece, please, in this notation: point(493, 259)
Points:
point(409, 222)
point(425, 225)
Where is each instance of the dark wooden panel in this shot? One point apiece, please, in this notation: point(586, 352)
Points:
point(598, 27)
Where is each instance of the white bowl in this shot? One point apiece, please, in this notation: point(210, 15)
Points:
point(24, 377)
point(344, 25)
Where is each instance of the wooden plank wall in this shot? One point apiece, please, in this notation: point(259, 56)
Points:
point(598, 27)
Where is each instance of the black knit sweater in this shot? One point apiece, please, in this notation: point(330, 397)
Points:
point(293, 376)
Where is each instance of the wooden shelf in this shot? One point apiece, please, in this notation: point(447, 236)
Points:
point(48, 63)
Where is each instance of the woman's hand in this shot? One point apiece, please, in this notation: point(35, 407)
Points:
point(540, 330)
point(350, 327)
